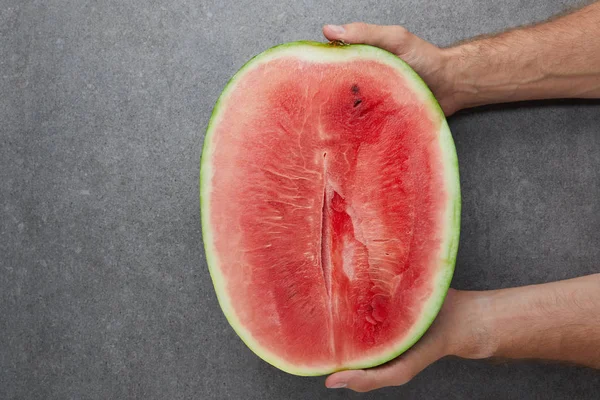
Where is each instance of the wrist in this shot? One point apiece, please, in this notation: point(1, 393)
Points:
point(449, 92)
point(463, 76)
point(475, 334)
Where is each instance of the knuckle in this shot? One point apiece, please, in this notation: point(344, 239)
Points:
point(365, 387)
point(400, 375)
point(398, 39)
point(361, 27)
point(403, 375)
point(402, 380)
point(399, 31)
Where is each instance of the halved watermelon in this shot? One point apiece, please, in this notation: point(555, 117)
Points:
point(330, 206)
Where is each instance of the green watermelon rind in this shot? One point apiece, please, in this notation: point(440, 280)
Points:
point(436, 300)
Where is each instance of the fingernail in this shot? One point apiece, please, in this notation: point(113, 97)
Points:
point(336, 29)
point(338, 386)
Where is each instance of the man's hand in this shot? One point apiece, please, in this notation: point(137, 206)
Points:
point(458, 330)
point(557, 59)
point(429, 61)
point(554, 321)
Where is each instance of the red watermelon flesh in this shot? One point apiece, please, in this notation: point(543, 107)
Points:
point(330, 206)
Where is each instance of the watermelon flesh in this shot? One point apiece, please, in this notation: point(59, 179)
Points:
point(330, 206)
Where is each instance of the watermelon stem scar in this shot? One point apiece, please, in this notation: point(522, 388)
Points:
point(337, 42)
point(330, 204)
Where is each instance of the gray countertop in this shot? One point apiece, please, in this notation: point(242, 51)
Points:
point(104, 290)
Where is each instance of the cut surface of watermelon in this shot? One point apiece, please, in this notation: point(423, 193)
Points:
point(330, 204)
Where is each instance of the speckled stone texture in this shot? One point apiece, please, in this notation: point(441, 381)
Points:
point(104, 289)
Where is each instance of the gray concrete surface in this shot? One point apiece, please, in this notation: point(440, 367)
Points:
point(104, 290)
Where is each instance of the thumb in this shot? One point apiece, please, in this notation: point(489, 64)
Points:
point(395, 373)
point(393, 38)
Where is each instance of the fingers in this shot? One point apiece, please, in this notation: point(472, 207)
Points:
point(428, 60)
point(394, 373)
point(392, 38)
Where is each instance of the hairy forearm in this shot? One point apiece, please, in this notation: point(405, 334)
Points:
point(554, 321)
point(557, 59)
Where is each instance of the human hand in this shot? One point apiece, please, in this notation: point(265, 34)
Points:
point(552, 321)
point(460, 329)
point(556, 59)
point(430, 62)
